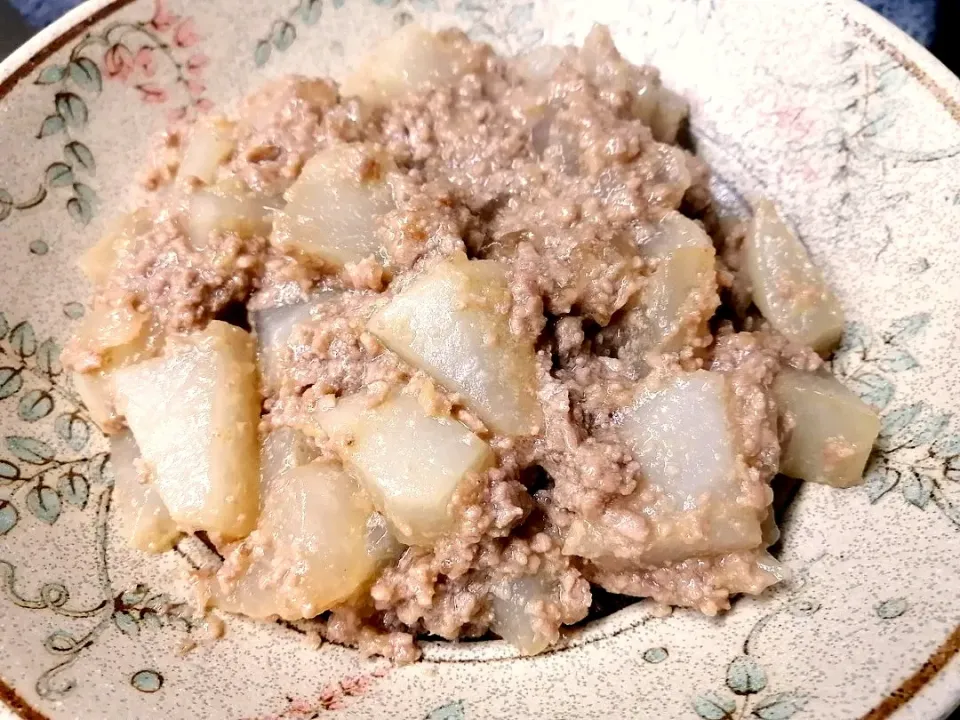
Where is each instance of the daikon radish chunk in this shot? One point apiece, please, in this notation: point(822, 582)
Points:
point(95, 390)
point(145, 522)
point(228, 206)
point(830, 431)
point(610, 71)
point(211, 144)
point(514, 606)
point(682, 294)
point(409, 461)
point(788, 288)
point(334, 208)
point(406, 61)
point(109, 338)
point(684, 438)
point(382, 545)
point(194, 414)
point(667, 119)
point(283, 449)
point(672, 312)
point(309, 552)
point(673, 232)
point(453, 324)
point(537, 66)
point(274, 327)
point(120, 238)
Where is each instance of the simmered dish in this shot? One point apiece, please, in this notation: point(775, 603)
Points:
point(437, 350)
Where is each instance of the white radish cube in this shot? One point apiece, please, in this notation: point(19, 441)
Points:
point(514, 605)
point(99, 261)
point(283, 449)
point(108, 339)
point(274, 326)
point(310, 550)
point(194, 414)
point(673, 232)
point(409, 461)
point(788, 288)
point(830, 431)
point(672, 311)
point(407, 61)
point(684, 439)
point(227, 207)
point(382, 545)
point(144, 520)
point(453, 324)
point(334, 208)
point(211, 143)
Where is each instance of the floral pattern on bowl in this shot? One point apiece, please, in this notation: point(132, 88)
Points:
point(850, 126)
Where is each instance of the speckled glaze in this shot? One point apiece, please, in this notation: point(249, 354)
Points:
point(849, 125)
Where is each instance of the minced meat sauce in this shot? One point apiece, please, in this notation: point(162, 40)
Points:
point(562, 166)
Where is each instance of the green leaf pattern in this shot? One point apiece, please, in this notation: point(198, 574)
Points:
point(712, 706)
point(919, 453)
point(745, 676)
point(44, 503)
point(8, 517)
point(30, 450)
point(780, 707)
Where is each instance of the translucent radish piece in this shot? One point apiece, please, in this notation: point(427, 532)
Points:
point(684, 438)
point(274, 327)
point(334, 208)
point(409, 461)
point(673, 232)
point(382, 545)
point(666, 121)
point(453, 324)
point(610, 71)
point(95, 390)
point(406, 61)
point(830, 431)
point(144, 519)
point(788, 288)
point(227, 207)
point(283, 449)
point(537, 66)
point(682, 294)
point(514, 605)
point(119, 239)
point(309, 552)
point(673, 309)
point(210, 145)
point(194, 414)
point(109, 338)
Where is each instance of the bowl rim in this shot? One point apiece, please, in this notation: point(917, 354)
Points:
point(931, 73)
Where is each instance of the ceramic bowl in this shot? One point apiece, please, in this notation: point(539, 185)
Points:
point(849, 125)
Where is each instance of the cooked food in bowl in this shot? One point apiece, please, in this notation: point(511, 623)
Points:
point(434, 351)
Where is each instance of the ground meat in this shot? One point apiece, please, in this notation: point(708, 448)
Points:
point(552, 174)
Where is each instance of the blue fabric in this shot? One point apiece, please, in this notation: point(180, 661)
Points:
point(916, 17)
point(40, 13)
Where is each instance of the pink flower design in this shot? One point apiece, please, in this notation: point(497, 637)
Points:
point(196, 88)
point(152, 94)
point(186, 34)
point(162, 19)
point(118, 61)
point(177, 114)
point(143, 61)
point(196, 63)
point(204, 105)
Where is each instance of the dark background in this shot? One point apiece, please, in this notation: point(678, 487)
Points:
point(936, 27)
point(931, 22)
